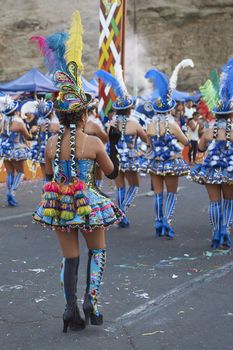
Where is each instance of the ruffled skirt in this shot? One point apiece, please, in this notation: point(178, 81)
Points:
point(103, 213)
point(171, 167)
point(203, 174)
point(13, 151)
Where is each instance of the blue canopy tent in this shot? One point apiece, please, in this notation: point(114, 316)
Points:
point(31, 81)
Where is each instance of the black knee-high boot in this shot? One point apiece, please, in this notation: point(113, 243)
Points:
point(95, 270)
point(69, 278)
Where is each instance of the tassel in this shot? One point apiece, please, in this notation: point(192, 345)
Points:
point(50, 212)
point(67, 190)
point(67, 215)
point(85, 210)
point(51, 187)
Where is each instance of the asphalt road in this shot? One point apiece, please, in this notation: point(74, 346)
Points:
point(157, 293)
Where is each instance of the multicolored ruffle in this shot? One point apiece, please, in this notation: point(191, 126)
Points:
point(101, 211)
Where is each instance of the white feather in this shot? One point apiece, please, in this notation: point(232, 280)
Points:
point(6, 102)
point(119, 76)
point(183, 64)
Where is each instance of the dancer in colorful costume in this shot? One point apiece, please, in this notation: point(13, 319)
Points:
point(47, 125)
point(216, 171)
point(164, 160)
point(127, 145)
point(70, 200)
point(13, 148)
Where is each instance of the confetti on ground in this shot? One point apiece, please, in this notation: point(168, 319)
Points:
point(217, 252)
point(180, 312)
point(36, 270)
point(174, 276)
point(229, 314)
point(20, 225)
point(153, 333)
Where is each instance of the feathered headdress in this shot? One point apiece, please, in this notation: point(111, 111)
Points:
point(163, 101)
point(7, 104)
point(225, 103)
point(63, 57)
point(217, 91)
point(123, 99)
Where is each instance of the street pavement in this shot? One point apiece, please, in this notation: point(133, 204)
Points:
point(157, 293)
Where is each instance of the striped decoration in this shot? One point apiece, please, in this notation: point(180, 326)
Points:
point(111, 43)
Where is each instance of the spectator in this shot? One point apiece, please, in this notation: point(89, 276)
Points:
point(193, 126)
point(189, 109)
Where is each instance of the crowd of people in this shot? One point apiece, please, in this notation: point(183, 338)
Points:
point(75, 149)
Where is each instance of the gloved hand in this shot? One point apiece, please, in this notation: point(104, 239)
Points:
point(114, 135)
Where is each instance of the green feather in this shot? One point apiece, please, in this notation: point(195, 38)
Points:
point(214, 77)
point(209, 94)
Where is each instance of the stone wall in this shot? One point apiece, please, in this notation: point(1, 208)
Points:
point(167, 31)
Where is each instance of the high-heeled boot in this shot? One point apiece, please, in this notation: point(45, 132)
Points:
point(9, 183)
point(158, 213)
point(215, 211)
point(227, 215)
point(69, 278)
point(95, 270)
point(168, 214)
point(17, 180)
point(120, 194)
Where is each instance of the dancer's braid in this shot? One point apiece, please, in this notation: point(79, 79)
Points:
point(215, 130)
point(72, 149)
point(58, 151)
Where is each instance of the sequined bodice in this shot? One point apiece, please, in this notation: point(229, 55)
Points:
point(84, 170)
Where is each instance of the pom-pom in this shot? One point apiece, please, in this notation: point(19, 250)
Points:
point(85, 210)
point(65, 199)
point(67, 215)
point(51, 187)
point(79, 186)
point(67, 190)
point(50, 212)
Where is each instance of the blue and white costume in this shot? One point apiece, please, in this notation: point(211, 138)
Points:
point(37, 152)
point(164, 157)
point(217, 168)
point(12, 144)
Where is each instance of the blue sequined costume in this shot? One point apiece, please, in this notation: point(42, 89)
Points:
point(217, 167)
point(37, 152)
point(103, 211)
point(12, 145)
point(130, 157)
point(165, 158)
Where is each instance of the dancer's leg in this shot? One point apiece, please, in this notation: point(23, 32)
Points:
point(215, 211)
point(157, 185)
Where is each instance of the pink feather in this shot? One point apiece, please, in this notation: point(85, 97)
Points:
point(45, 51)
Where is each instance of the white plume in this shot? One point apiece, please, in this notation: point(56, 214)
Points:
point(183, 64)
point(6, 102)
point(119, 76)
point(29, 107)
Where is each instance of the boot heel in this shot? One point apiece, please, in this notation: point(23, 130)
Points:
point(96, 320)
point(65, 325)
point(87, 318)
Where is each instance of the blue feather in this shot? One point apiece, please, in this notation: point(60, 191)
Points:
point(56, 42)
point(109, 79)
point(160, 81)
point(226, 82)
